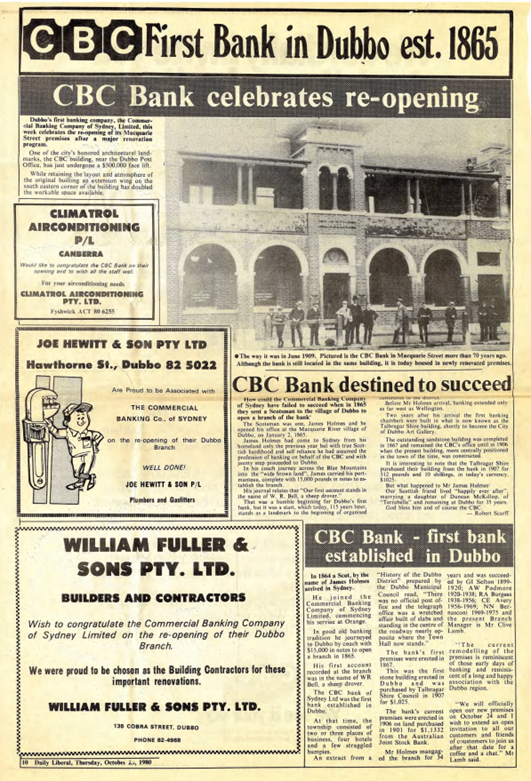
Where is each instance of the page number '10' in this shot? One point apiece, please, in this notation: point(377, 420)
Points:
point(475, 42)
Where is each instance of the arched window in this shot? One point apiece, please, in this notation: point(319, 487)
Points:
point(335, 255)
point(326, 196)
point(443, 279)
point(210, 278)
point(277, 278)
point(343, 190)
point(389, 278)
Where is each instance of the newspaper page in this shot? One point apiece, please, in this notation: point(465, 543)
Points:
point(264, 299)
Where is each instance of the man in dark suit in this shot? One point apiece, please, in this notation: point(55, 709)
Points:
point(369, 317)
point(424, 318)
point(483, 317)
point(493, 320)
point(313, 316)
point(450, 316)
point(357, 318)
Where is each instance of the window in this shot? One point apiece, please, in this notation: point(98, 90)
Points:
point(442, 282)
point(389, 278)
point(326, 188)
point(277, 279)
point(490, 288)
point(488, 258)
point(210, 278)
point(335, 255)
point(202, 193)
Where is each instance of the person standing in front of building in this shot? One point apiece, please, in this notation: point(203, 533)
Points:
point(450, 316)
point(344, 318)
point(356, 313)
point(268, 327)
point(296, 317)
point(279, 320)
point(483, 317)
point(424, 318)
point(313, 316)
point(493, 321)
point(369, 318)
point(400, 321)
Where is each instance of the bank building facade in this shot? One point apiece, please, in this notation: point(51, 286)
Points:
point(321, 224)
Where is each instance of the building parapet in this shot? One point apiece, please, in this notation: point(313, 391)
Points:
point(407, 226)
point(426, 227)
point(338, 221)
point(496, 230)
point(241, 219)
point(250, 219)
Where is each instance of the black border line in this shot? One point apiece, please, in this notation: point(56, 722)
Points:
point(512, 349)
point(291, 526)
point(292, 9)
point(212, 75)
point(155, 329)
point(275, 10)
point(149, 204)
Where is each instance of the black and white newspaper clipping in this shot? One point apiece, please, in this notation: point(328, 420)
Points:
point(265, 300)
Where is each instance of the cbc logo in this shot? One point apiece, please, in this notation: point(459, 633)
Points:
point(82, 39)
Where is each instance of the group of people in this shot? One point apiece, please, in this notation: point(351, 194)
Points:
point(275, 322)
point(350, 318)
point(489, 320)
point(424, 318)
point(488, 317)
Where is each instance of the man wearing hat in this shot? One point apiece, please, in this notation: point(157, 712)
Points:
point(313, 318)
point(296, 316)
point(82, 443)
point(493, 320)
point(424, 319)
point(353, 329)
point(278, 320)
point(450, 316)
point(400, 321)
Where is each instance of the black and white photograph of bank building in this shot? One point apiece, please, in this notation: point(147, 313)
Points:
point(341, 233)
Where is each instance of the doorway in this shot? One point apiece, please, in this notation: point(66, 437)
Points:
point(490, 288)
point(336, 289)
